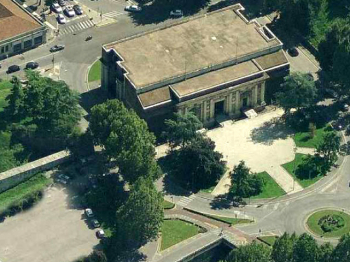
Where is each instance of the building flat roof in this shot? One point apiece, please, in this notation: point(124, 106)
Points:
point(14, 20)
point(200, 42)
point(202, 82)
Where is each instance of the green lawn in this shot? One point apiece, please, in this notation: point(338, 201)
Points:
point(95, 72)
point(20, 192)
point(230, 220)
point(168, 205)
point(175, 231)
point(312, 223)
point(293, 165)
point(208, 190)
point(269, 240)
point(303, 139)
point(5, 88)
point(270, 189)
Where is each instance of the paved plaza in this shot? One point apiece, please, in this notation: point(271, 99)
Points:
point(264, 143)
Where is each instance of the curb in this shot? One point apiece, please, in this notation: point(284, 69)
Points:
point(87, 74)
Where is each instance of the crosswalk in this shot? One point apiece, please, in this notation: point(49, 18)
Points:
point(76, 27)
point(186, 200)
point(113, 14)
point(275, 206)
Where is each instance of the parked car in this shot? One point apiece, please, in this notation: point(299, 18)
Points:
point(61, 2)
point(78, 10)
point(88, 212)
point(61, 19)
point(56, 8)
point(133, 8)
point(100, 233)
point(95, 223)
point(63, 179)
point(293, 51)
point(176, 13)
point(13, 68)
point(32, 65)
point(56, 48)
point(69, 11)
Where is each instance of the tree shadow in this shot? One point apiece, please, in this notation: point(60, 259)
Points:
point(270, 131)
point(221, 202)
point(91, 98)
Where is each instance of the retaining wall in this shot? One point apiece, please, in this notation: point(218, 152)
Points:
point(13, 177)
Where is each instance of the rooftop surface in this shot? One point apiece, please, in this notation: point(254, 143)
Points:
point(189, 46)
point(14, 20)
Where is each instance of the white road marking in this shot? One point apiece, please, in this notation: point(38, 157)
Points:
point(276, 206)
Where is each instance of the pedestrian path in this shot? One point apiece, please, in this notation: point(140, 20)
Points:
point(186, 200)
point(275, 206)
point(113, 14)
point(76, 27)
point(284, 179)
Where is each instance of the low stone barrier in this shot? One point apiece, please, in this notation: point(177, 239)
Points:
point(17, 175)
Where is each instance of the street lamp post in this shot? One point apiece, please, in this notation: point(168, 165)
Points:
point(295, 156)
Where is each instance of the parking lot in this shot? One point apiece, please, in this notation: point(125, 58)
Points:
point(52, 231)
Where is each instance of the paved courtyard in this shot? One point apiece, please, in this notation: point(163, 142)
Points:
point(263, 143)
point(50, 231)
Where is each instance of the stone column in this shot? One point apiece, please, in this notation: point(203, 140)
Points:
point(212, 108)
point(204, 111)
point(229, 101)
point(238, 102)
point(255, 96)
point(262, 95)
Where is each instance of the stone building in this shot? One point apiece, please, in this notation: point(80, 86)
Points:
point(214, 64)
point(19, 30)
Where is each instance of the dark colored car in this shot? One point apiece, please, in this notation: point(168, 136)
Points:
point(78, 10)
point(293, 51)
point(32, 65)
point(61, 2)
point(56, 48)
point(13, 68)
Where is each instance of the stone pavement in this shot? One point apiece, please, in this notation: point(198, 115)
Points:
point(264, 143)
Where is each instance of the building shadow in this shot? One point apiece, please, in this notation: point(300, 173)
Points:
point(158, 11)
point(91, 98)
point(270, 131)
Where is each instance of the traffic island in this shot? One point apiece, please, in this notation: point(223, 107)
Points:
point(328, 223)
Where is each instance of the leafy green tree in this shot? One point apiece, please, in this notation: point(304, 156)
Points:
point(52, 105)
point(282, 250)
point(298, 91)
point(197, 164)
point(182, 129)
point(305, 249)
point(125, 138)
point(325, 253)
point(49, 2)
point(15, 99)
point(244, 183)
point(250, 253)
point(329, 148)
point(334, 54)
point(140, 218)
point(341, 252)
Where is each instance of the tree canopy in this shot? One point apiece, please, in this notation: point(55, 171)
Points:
point(182, 129)
point(253, 253)
point(329, 148)
point(283, 248)
point(244, 183)
point(125, 138)
point(197, 164)
point(298, 91)
point(140, 218)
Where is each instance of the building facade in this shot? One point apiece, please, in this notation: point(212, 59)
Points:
point(212, 65)
point(19, 30)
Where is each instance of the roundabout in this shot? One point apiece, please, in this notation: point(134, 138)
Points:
point(328, 223)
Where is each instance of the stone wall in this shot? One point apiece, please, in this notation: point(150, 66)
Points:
point(13, 177)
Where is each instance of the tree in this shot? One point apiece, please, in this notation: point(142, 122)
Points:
point(49, 2)
point(329, 148)
point(341, 252)
point(182, 129)
point(244, 183)
point(325, 253)
point(298, 91)
point(52, 105)
point(305, 249)
point(15, 99)
point(250, 253)
point(140, 218)
point(96, 256)
point(197, 164)
point(125, 138)
point(334, 54)
point(282, 250)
